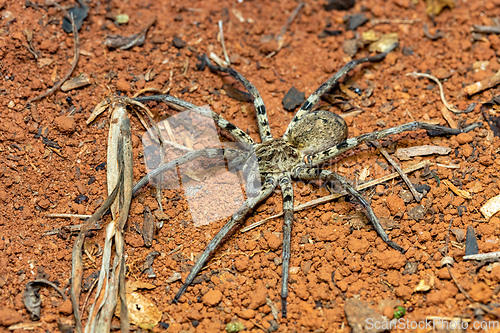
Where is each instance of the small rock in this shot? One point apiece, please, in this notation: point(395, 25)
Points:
point(356, 20)
point(273, 241)
point(123, 85)
point(247, 314)
point(293, 98)
point(65, 124)
point(464, 138)
point(242, 263)
point(66, 308)
point(212, 297)
point(178, 42)
point(403, 292)
point(9, 316)
point(350, 47)
point(395, 204)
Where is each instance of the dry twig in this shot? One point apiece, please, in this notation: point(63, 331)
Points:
point(396, 166)
point(72, 68)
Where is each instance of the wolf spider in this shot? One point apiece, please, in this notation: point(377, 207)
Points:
point(312, 138)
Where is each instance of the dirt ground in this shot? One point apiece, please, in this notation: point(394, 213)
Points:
point(51, 161)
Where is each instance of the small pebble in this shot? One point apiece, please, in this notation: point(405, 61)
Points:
point(471, 246)
point(212, 297)
point(178, 43)
point(65, 124)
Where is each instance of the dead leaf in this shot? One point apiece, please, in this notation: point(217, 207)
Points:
point(461, 193)
point(31, 297)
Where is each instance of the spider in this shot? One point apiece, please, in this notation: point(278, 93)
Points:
point(312, 138)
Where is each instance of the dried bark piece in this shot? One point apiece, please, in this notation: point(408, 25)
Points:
point(76, 82)
point(407, 153)
point(491, 207)
point(461, 193)
point(124, 43)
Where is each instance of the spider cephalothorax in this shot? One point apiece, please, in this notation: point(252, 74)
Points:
point(312, 138)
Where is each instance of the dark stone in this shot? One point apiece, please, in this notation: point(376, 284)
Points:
point(101, 166)
point(81, 199)
point(407, 51)
point(195, 323)
point(422, 188)
point(91, 180)
point(355, 21)
point(293, 98)
point(328, 32)
point(164, 325)
point(178, 43)
point(339, 4)
point(471, 246)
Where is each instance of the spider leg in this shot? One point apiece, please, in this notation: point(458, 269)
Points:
point(348, 144)
point(229, 154)
point(267, 188)
point(314, 173)
point(182, 105)
point(260, 108)
point(316, 95)
point(287, 192)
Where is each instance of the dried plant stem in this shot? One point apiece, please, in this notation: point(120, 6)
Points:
point(396, 166)
point(221, 32)
point(331, 197)
point(70, 71)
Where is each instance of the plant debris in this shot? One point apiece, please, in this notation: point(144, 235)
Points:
point(125, 43)
point(31, 297)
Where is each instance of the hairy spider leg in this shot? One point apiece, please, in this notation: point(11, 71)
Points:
point(228, 154)
point(260, 108)
point(314, 173)
point(287, 192)
point(181, 105)
point(348, 144)
point(267, 188)
point(316, 95)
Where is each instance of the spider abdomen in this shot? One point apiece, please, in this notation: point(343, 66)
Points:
point(276, 156)
point(317, 131)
